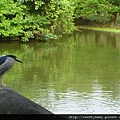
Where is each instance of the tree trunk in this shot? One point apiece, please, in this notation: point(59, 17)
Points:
point(113, 17)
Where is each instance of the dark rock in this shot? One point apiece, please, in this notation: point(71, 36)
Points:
point(12, 102)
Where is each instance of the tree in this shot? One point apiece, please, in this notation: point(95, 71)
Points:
point(108, 8)
point(38, 19)
point(11, 17)
point(113, 9)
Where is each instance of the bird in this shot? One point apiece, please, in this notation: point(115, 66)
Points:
point(6, 63)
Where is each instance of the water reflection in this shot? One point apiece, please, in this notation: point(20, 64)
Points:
point(77, 74)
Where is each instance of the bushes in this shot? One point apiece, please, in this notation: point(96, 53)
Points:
point(105, 8)
point(11, 17)
point(38, 19)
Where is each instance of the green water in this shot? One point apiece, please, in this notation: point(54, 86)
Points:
point(79, 73)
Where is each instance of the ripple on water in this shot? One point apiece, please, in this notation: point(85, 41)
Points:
point(77, 103)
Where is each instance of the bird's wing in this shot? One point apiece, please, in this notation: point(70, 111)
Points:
point(2, 59)
point(3, 69)
point(3, 65)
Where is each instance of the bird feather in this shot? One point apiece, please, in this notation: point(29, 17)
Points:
point(2, 59)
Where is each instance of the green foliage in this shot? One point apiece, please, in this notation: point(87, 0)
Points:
point(11, 17)
point(109, 8)
point(49, 19)
point(64, 24)
point(36, 18)
point(60, 14)
point(48, 36)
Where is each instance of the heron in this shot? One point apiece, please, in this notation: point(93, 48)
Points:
point(6, 63)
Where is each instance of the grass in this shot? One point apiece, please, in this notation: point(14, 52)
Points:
point(102, 24)
point(100, 29)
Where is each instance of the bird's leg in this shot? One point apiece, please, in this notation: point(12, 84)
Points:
point(2, 83)
point(0, 79)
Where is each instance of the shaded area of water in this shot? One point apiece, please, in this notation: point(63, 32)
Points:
point(78, 74)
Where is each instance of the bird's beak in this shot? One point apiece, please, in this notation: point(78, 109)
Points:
point(18, 60)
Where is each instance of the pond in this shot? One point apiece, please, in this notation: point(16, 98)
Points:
point(80, 73)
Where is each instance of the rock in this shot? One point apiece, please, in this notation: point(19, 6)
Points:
point(12, 102)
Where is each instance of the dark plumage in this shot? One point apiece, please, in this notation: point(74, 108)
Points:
point(2, 59)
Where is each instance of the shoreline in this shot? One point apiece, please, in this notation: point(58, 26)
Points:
point(104, 29)
point(96, 28)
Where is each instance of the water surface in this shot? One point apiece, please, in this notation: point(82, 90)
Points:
point(79, 73)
